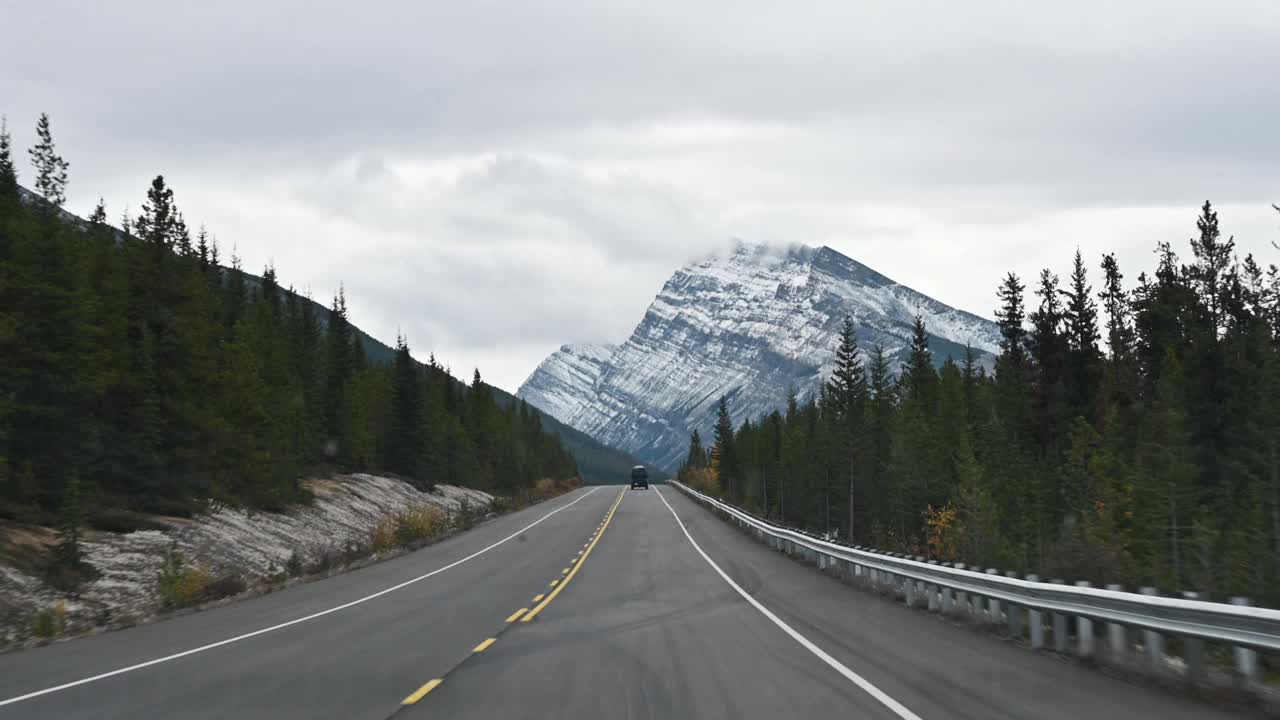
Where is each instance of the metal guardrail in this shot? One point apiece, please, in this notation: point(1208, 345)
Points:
point(953, 588)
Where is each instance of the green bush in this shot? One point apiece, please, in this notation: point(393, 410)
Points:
point(180, 585)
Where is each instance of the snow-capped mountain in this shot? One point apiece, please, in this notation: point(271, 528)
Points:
point(748, 325)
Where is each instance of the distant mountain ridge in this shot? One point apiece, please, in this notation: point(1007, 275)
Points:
point(749, 325)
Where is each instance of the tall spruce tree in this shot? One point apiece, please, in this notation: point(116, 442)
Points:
point(405, 448)
point(1083, 358)
point(51, 169)
point(847, 393)
point(8, 173)
point(696, 458)
point(724, 452)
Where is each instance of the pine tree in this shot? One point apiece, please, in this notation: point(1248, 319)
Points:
point(1049, 345)
point(880, 410)
point(847, 392)
point(696, 457)
point(1010, 318)
point(1115, 302)
point(51, 169)
point(1083, 359)
point(919, 377)
point(1012, 393)
point(405, 448)
point(724, 452)
point(1213, 258)
point(1162, 305)
point(98, 218)
point(8, 173)
point(338, 373)
point(68, 569)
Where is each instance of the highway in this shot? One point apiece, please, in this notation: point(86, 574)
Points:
point(604, 603)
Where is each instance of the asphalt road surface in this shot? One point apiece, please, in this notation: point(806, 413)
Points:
point(605, 603)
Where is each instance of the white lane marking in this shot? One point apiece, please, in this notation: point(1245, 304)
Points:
point(312, 616)
point(898, 708)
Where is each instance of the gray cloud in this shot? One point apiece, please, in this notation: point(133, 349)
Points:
point(497, 178)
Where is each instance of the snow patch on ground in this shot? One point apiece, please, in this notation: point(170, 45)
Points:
point(226, 541)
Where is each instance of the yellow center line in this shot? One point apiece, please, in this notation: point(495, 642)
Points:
point(516, 615)
point(538, 597)
point(481, 647)
point(422, 691)
point(546, 601)
point(555, 582)
point(564, 571)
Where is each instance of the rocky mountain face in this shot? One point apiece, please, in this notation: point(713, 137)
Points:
point(749, 325)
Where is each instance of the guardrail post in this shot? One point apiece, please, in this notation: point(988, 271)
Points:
point(993, 605)
point(962, 598)
point(908, 592)
point(1014, 613)
point(1035, 620)
point(1246, 659)
point(1059, 625)
point(977, 604)
point(932, 591)
point(921, 586)
point(1116, 635)
point(1152, 639)
point(1193, 652)
point(1084, 629)
point(948, 600)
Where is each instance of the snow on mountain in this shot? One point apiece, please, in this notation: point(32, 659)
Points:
point(566, 379)
point(748, 325)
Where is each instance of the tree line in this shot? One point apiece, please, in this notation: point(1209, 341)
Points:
point(1127, 436)
point(139, 374)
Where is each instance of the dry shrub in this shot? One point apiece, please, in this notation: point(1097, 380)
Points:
point(407, 528)
point(545, 488)
point(705, 480)
point(51, 622)
point(421, 522)
point(383, 535)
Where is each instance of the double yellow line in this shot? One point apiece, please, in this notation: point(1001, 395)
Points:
point(542, 601)
point(577, 565)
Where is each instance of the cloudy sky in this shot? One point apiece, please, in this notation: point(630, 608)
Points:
point(496, 179)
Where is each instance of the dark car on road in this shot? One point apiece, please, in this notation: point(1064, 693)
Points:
point(639, 477)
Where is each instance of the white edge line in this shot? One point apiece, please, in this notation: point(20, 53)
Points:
point(875, 692)
point(313, 616)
